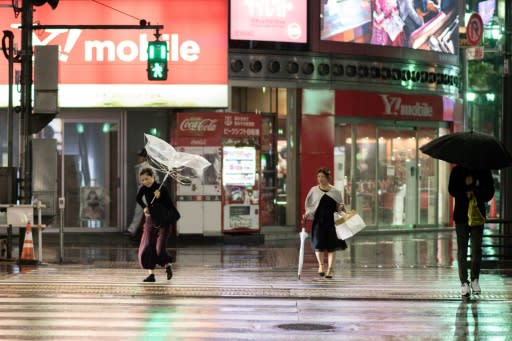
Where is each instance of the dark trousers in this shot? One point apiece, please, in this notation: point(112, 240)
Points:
point(464, 234)
point(152, 249)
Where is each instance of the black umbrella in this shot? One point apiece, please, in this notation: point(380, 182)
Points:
point(469, 149)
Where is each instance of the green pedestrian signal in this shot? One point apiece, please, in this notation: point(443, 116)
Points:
point(157, 60)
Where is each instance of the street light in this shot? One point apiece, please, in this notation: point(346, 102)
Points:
point(493, 32)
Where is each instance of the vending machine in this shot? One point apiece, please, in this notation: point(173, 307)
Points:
point(200, 201)
point(225, 198)
point(241, 188)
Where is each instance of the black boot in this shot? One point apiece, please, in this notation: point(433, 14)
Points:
point(168, 269)
point(150, 278)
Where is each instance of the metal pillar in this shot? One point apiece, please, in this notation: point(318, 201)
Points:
point(26, 99)
point(506, 175)
point(10, 112)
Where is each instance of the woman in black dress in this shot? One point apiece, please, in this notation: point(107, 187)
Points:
point(160, 214)
point(321, 203)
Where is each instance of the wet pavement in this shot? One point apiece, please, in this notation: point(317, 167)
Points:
point(400, 287)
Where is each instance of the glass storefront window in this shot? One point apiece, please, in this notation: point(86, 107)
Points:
point(365, 183)
point(343, 173)
point(397, 177)
point(272, 104)
point(91, 177)
point(383, 175)
point(428, 180)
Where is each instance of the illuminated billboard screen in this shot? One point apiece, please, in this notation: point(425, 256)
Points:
point(107, 68)
point(486, 10)
point(430, 25)
point(276, 20)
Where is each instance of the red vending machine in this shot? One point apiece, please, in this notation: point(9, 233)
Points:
point(225, 198)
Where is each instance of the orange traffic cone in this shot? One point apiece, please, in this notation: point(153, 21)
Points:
point(27, 254)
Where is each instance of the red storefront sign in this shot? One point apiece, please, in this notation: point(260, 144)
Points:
point(210, 129)
point(394, 106)
point(196, 32)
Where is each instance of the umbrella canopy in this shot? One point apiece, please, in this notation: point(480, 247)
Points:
point(166, 159)
point(469, 149)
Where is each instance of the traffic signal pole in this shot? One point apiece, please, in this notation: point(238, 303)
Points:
point(26, 95)
point(27, 29)
point(26, 101)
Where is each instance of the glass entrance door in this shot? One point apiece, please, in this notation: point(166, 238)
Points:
point(397, 177)
point(385, 177)
point(90, 169)
point(91, 173)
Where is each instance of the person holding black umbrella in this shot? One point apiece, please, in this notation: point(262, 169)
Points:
point(463, 185)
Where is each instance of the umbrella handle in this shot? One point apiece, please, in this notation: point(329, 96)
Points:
point(159, 188)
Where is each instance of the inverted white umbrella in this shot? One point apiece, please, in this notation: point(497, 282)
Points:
point(303, 236)
point(167, 160)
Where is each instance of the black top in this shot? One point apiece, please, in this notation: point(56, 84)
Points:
point(482, 187)
point(149, 193)
point(162, 210)
point(323, 234)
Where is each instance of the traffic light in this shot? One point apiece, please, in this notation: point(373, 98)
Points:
point(157, 60)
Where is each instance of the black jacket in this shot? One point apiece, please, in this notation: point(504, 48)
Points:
point(162, 210)
point(482, 187)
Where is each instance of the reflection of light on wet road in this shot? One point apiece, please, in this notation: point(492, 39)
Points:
point(157, 326)
point(402, 286)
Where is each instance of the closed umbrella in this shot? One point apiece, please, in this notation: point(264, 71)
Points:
point(303, 236)
point(470, 149)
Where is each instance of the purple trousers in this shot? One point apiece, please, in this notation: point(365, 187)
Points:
point(152, 249)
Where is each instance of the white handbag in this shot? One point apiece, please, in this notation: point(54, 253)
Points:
point(348, 224)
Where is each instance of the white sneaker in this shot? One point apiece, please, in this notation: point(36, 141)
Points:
point(465, 290)
point(475, 287)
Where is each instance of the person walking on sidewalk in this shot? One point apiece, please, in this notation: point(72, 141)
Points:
point(463, 185)
point(160, 215)
point(321, 203)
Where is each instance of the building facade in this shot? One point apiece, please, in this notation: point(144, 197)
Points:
point(358, 96)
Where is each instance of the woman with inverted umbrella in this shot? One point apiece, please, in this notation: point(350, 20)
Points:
point(160, 215)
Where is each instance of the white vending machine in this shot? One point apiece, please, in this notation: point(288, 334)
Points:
point(200, 203)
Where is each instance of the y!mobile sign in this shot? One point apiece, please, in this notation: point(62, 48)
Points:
point(107, 68)
point(269, 20)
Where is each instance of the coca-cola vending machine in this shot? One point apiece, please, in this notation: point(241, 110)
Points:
point(225, 198)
